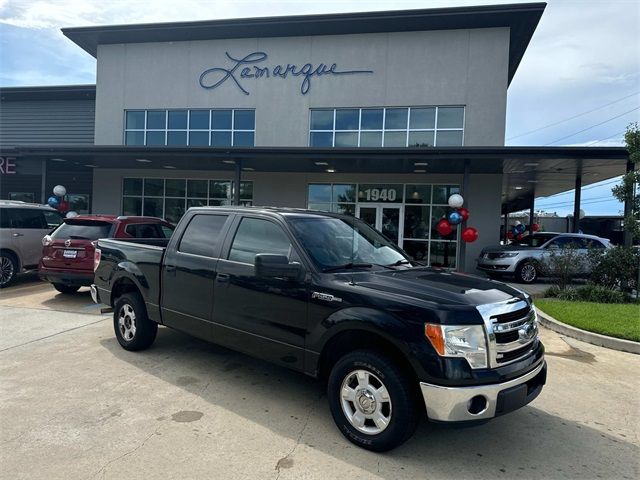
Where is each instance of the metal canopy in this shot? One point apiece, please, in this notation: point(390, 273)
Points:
point(528, 172)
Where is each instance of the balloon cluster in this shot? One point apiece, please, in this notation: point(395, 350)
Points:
point(459, 215)
point(519, 228)
point(58, 201)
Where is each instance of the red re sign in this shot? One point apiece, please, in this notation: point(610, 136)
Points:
point(7, 166)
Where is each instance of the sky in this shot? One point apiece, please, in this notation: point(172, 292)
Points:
point(578, 83)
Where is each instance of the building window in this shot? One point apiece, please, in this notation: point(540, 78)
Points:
point(169, 198)
point(406, 213)
point(197, 128)
point(387, 127)
point(332, 197)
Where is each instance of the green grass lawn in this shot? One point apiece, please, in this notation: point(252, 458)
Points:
point(615, 320)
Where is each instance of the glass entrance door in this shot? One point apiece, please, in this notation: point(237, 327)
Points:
point(384, 218)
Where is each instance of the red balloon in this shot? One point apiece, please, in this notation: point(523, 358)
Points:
point(535, 227)
point(444, 228)
point(519, 236)
point(63, 206)
point(465, 213)
point(469, 234)
point(510, 235)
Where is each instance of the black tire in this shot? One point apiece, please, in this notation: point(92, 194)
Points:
point(144, 330)
point(526, 272)
point(402, 409)
point(66, 289)
point(8, 269)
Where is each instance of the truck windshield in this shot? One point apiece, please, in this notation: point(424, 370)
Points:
point(333, 242)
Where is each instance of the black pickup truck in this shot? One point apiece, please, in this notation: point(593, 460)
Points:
point(327, 295)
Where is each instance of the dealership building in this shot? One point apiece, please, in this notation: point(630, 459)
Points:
point(382, 115)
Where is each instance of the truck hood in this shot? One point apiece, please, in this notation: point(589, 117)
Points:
point(436, 285)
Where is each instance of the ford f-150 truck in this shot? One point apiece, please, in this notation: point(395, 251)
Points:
point(327, 295)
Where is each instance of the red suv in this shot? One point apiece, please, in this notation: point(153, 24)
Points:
point(67, 253)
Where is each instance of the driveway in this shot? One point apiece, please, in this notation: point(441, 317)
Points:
point(73, 404)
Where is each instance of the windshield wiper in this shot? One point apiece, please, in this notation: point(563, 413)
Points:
point(399, 262)
point(347, 266)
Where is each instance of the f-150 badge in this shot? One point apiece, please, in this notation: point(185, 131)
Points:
point(326, 297)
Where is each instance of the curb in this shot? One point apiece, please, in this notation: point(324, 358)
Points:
point(588, 337)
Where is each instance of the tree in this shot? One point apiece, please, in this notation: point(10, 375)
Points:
point(628, 189)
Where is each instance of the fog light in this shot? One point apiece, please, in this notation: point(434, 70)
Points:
point(477, 405)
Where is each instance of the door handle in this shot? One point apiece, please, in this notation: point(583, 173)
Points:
point(170, 268)
point(223, 277)
point(18, 234)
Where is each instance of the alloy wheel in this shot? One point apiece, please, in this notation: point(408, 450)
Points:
point(127, 322)
point(366, 402)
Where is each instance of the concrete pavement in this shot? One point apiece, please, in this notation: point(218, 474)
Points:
point(73, 404)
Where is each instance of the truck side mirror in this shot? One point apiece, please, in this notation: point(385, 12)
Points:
point(268, 265)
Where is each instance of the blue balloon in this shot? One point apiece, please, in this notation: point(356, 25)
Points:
point(521, 228)
point(53, 202)
point(455, 218)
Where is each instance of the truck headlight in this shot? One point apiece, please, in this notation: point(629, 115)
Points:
point(508, 254)
point(466, 341)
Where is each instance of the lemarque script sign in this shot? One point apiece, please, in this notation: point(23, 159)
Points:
point(246, 67)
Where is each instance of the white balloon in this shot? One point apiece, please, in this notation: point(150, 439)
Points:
point(59, 191)
point(582, 214)
point(456, 201)
point(71, 214)
point(518, 222)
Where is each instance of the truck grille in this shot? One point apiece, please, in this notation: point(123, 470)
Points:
point(512, 330)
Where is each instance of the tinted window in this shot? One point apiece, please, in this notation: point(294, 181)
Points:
point(258, 236)
point(83, 230)
point(567, 242)
point(5, 219)
point(594, 244)
point(28, 218)
point(536, 240)
point(202, 235)
point(53, 218)
point(148, 230)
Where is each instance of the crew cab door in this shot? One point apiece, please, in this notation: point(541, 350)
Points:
point(265, 317)
point(188, 273)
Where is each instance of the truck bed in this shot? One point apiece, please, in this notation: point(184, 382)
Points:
point(137, 259)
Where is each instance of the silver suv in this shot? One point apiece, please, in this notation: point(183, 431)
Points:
point(22, 226)
point(523, 258)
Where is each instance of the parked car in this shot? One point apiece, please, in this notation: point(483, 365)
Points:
point(67, 254)
point(22, 226)
point(327, 295)
point(524, 258)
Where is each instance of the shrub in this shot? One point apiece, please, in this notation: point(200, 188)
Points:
point(600, 294)
point(587, 293)
point(615, 267)
point(564, 264)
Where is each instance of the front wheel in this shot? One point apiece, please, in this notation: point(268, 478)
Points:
point(134, 330)
point(66, 289)
point(372, 400)
point(526, 272)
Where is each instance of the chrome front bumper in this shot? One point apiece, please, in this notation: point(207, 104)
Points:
point(452, 404)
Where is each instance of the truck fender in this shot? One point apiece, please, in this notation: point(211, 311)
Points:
point(388, 328)
point(128, 271)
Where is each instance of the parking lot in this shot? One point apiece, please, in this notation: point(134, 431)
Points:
point(73, 404)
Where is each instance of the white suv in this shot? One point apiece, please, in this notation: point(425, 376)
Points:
point(22, 226)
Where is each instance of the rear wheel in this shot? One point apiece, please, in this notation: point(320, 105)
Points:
point(66, 289)
point(372, 400)
point(526, 272)
point(8, 269)
point(134, 330)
